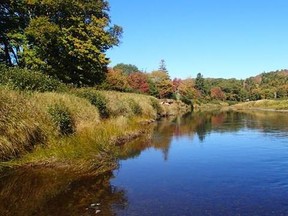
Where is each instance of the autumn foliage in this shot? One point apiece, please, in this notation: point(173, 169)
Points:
point(217, 93)
point(138, 81)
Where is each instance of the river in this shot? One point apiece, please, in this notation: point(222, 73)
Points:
point(223, 163)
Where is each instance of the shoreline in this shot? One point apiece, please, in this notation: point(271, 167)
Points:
point(94, 141)
point(263, 105)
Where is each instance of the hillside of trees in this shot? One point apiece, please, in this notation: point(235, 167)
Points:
point(127, 78)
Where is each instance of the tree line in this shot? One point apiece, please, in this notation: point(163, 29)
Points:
point(128, 78)
point(67, 40)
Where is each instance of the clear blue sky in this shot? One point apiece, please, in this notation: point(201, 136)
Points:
point(218, 38)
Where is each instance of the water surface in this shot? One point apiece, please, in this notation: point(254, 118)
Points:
point(227, 163)
point(210, 164)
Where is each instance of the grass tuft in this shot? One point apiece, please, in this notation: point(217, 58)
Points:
point(63, 119)
point(96, 99)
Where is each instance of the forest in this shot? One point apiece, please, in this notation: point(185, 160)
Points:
point(267, 85)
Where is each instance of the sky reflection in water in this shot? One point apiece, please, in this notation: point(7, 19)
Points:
point(210, 164)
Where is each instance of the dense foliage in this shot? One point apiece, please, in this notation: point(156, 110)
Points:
point(268, 85)
point(158, 84)
point(65, 39)
point(126, 68)
point(22, 79)
point(62, 118)
point(97, 100)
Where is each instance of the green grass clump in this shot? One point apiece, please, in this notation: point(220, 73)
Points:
point(155, 104)
point(37, 119)
point(22, 79)
point(62, 117)
point(135, 107)
point(111, 104)
point(96, 99)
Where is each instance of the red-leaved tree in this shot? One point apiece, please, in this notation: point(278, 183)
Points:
point(138, 81)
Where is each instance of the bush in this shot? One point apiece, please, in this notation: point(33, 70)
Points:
point(63, 119)
point(22, 79)
point(155, 104)
point(186, 100)
point(97, 100)
point(135, 107)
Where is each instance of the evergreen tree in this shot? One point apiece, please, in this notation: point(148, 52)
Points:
point(162, 66)
point(199, 83)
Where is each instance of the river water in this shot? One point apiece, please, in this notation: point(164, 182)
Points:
point(225, 163)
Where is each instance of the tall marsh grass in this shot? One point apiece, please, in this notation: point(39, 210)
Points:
point(91, 149)
point(96, 99)
point(82, 111)
point(19, 125)
point(129, 104)
point(66, 128)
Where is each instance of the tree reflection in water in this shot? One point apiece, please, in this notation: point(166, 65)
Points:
point(201, 125)
point(56, 192)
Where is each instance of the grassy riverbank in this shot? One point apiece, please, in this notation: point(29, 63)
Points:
point(210, 105)
point(77, 128)
point(269, 105)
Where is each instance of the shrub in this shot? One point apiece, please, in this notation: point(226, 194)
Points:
point(97, 100)
point(22, 79)
point(135, 107)
point(63, 119)
point(186, 100)
point(155, 104)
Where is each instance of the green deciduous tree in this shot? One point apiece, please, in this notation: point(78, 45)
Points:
point(63, 38)
point(13, 20)
point(126, 68)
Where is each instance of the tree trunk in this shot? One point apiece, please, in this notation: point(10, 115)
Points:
point(7, 55)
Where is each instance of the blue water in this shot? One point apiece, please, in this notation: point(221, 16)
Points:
point(219, 164)
point(216, 164)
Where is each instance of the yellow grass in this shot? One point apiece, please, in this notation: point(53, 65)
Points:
point(29, 134)
point(277, 105)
